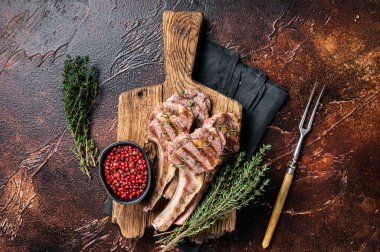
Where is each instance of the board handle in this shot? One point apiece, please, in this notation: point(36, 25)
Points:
point(181, 33)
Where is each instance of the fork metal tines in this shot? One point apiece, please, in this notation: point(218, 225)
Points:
point(304, 130)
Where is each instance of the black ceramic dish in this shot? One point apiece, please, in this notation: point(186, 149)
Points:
point(116, 198)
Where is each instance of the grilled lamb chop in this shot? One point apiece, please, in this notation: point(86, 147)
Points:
point(194, 155)
point(189, 184)
point(166, 122)
point(185, 215)
point(197, 101)
point(229, 126)
point(200, 152)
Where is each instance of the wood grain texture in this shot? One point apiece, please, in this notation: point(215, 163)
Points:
point(181, 33)
point(277, 208)
point(134, 108)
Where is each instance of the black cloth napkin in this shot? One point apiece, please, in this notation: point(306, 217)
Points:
point(220, 69)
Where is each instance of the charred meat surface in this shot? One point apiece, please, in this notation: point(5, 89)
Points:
point(189, 184)
point(191, 158)
point(166, 122)
point(198, 102)
point(229, 126)
point(194, 156)
point(175, 116)
point(201, 153)
point(185, 215)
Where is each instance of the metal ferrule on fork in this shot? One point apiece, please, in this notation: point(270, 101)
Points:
point(292, 167)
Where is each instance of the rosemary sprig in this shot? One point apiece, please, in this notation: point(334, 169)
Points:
point(235, 186)
point(80, 90)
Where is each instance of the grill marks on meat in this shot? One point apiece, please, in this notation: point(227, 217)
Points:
point(228, 125)
point(192, 158)
point(166, 122)
point(189, 184)
point(197, 101)
point(187, 157)
point(203, 146)
point(185, 215)
point(200, 153)
point(169, 120)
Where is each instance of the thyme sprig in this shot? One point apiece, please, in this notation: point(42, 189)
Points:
point(234, 187)
point(80, 90)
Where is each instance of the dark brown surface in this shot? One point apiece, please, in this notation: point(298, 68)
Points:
point(46, 204)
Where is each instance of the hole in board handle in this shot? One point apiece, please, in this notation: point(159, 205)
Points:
point(140, 93)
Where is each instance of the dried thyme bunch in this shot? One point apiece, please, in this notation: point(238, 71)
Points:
point(235, 186)
point(80, 90)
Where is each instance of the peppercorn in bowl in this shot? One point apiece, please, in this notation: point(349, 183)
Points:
point(125, 172)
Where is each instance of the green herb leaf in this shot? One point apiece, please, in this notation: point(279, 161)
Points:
point(190, 103)
point(236, 184)
point(233, 130)
point(79, 93)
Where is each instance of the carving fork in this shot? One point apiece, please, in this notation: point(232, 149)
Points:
point(292, 167)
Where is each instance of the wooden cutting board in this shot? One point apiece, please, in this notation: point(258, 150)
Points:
point(181, 32)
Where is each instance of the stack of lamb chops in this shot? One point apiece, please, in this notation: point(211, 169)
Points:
point(190, 144)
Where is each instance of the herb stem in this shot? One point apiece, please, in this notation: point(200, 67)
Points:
point(235, 185)
point(80, 91)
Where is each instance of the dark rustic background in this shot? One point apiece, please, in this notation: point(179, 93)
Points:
point(46, 204)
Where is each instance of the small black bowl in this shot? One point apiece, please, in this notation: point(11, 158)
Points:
point(116, 198)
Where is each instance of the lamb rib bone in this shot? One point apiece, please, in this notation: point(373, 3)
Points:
point(166, 122)
point(195, 156)
point(175, 110)
point(170, 188)
point(229, 126)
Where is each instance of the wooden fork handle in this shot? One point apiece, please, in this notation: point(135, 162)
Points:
point(277, 208)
